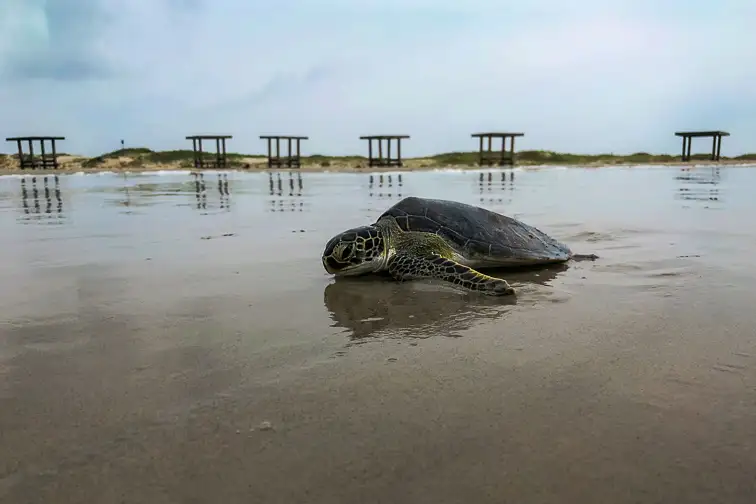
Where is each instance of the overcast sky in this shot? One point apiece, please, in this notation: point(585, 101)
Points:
point(582, 76)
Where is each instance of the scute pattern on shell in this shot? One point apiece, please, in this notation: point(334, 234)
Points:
point(477, 233)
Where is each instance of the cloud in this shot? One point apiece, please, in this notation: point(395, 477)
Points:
point(53, 39)
point(587, 76)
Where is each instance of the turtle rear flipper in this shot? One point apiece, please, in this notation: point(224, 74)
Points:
point(408, 266)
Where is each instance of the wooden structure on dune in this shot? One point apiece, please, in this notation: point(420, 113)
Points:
point(220, 158)
point(381, 160)
point(44, 160)
point(502, 157)
point(716, 147)
point(291, 159)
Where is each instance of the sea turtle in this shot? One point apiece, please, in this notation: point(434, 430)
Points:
point(446, 240)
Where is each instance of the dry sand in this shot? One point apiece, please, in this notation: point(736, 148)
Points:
point(141, 364)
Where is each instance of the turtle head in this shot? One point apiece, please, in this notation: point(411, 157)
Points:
point(355, 252)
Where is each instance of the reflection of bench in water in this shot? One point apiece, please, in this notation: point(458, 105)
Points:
point(49, 188)
point(385, 182)
point(294, 184)
point(281, 205)
point(694, 184)
point(286, 192)
point(200, 190)
point(700, 176)
point(490, 183)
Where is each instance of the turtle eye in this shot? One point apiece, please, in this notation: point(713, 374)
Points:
point(346, 252)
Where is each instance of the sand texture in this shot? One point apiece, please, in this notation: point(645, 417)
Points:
point(173, 338)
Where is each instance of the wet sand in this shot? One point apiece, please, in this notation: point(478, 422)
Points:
point(165, 343)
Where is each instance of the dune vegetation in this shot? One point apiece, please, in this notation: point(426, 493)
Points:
point(142, 158)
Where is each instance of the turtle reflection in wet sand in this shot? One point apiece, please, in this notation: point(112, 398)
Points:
point(421, 238)
point(368, 309)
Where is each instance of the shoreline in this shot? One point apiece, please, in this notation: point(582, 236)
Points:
point(143, 160)
point(409, 166)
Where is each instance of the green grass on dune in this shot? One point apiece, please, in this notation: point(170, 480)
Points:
point(188, 155)
point(142, 155)
point(536, 157)
point(326, 161)
point(528, 157)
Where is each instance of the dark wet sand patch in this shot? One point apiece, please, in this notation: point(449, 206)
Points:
point(611, 397)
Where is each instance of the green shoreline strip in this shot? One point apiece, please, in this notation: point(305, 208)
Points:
point(142, 156)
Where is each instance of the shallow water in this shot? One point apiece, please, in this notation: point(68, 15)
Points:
point(174, 338)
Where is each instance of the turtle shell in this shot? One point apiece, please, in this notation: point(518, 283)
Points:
point(480, 236)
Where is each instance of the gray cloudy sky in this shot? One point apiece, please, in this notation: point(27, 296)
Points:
point(582, 76)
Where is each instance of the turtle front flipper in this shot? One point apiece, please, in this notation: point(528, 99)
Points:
point(408, 266)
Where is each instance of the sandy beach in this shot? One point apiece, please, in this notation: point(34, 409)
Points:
point(173, 338)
